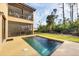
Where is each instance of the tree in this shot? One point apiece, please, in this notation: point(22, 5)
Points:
point(71, 10)
point(77, 10)
point(63, 13)
point(51, 18)
point(76, 4)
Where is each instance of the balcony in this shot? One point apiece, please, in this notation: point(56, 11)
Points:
point(20, 13)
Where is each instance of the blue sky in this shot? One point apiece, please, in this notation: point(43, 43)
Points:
point(44, 9)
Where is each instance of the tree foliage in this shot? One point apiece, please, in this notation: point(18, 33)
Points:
point(51, 18)
point(68, 27)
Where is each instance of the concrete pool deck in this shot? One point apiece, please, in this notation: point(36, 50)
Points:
point(18, 47)
point(68, 48)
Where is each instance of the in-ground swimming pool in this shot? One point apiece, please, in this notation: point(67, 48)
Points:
point(43, 46)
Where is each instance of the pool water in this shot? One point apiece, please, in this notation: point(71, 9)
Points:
point(43, 46)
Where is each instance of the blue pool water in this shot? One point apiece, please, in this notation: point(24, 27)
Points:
point(42, 45)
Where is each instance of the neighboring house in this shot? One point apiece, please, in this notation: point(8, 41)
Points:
point(16, 19)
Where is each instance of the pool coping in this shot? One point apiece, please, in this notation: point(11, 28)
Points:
point(56, 38)
point(59, 40)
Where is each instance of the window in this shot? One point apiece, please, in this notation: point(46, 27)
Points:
point(27, 15)
point(14, 11)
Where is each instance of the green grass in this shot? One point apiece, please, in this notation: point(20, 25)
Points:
point(60, 37)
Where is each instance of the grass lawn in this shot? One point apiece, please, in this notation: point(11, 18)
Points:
point(60, 37)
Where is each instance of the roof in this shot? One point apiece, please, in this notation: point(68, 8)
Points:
point(22, 5)
point(28, 6)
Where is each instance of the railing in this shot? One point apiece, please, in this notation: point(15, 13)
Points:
point(19, 33)
point(20, 15)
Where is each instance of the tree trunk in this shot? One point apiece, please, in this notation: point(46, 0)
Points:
point(77, 10)
point(72, 13)
point(63, 13)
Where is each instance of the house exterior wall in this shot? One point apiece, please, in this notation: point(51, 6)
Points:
point(0, 28)
point(10, 18)
point(4, 10)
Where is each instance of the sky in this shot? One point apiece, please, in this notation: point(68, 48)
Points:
point(45, 9)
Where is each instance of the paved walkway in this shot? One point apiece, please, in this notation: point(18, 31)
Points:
point(17, 47)
point(68, 48)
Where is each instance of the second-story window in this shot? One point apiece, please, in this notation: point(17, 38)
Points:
point(27, 15)
point(30, 16)
point(14, 11)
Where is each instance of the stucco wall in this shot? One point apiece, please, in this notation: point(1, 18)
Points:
point(4, 9)
point(0, 28)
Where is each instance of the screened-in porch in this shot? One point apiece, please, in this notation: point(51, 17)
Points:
point(18, 29)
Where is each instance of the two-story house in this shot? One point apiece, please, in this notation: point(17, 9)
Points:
point(16, 20)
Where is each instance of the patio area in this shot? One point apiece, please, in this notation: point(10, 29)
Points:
point(18, 47)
